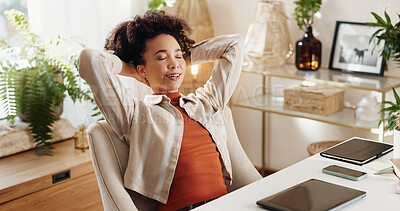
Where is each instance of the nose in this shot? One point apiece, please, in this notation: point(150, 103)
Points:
point(173, 65)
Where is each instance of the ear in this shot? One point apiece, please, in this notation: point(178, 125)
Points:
point(140, 70)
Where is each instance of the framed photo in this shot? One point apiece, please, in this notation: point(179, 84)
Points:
point(352, 52)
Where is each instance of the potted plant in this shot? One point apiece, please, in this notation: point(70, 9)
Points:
point(34, 83)
point(308, 49)
point(390, 34)
point(391, 114)
point(159, 4)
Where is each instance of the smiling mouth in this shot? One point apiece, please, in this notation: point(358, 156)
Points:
point(173, 76)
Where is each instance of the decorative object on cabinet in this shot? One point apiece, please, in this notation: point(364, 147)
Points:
point(268, 40)
point(16, 138)
point(308, 49)
point(314, 99)
point(80, 137)
point(34, 82)
point(367, 108)
point(352, 52)
point(196, 14)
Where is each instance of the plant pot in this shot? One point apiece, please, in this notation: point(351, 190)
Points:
point(57, 113)
point(396, 143)
point(58, 110)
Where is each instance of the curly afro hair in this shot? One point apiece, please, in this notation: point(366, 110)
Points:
point(128, 39)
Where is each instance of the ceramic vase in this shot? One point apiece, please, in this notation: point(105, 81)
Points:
point(267, 40)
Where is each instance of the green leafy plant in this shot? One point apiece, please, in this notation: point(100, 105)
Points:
point(156, 4)
point(390, 34)
point(33, 82)
point(304, 12)
point(159, 4)
point(391, 112)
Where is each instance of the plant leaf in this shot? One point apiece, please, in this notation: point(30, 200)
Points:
point(396, 96)
point(388, 21)
point(378, 18)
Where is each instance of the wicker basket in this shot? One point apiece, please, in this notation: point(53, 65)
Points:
point(318, 147)
point(314, 99)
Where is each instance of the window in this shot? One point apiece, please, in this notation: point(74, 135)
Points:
point(7, 31)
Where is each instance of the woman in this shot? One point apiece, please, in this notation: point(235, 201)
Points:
point(178, 144)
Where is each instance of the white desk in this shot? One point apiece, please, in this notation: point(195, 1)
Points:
point(379, 188)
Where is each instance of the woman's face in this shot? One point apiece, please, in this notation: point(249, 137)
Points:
point(164, 65)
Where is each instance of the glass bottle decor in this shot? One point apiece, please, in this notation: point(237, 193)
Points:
point(308, 52)
point(268, 41)
point(80, 137)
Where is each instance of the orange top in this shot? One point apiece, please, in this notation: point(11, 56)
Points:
point(198, 174)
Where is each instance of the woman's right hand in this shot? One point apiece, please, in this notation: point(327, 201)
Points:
point(128, 69)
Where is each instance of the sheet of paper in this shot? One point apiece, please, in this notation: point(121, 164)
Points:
point(379, 167)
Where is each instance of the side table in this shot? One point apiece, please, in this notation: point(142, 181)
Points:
point(64, 181)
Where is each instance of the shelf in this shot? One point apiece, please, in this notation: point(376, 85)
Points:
point(274, 104)
point(329, 77)
point(325, 77)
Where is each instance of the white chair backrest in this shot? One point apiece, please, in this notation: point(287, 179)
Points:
point(110, 156)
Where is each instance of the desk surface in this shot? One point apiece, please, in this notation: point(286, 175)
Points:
point(380, 188)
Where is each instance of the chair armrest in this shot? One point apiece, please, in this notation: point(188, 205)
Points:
point(108, 169)
point(243, 171)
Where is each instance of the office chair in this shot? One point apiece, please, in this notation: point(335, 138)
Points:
point(110, 157)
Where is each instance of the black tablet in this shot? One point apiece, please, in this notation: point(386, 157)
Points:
point(313, 195)
point(357, 150)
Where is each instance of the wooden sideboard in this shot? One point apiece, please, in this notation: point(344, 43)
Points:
point(64, 181)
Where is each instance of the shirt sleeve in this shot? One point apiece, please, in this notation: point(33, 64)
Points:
point(99, 69)
point(229, 51)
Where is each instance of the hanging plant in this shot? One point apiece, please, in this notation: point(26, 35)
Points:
point(33, 82)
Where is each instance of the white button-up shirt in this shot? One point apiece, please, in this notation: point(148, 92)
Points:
point(152, 127)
